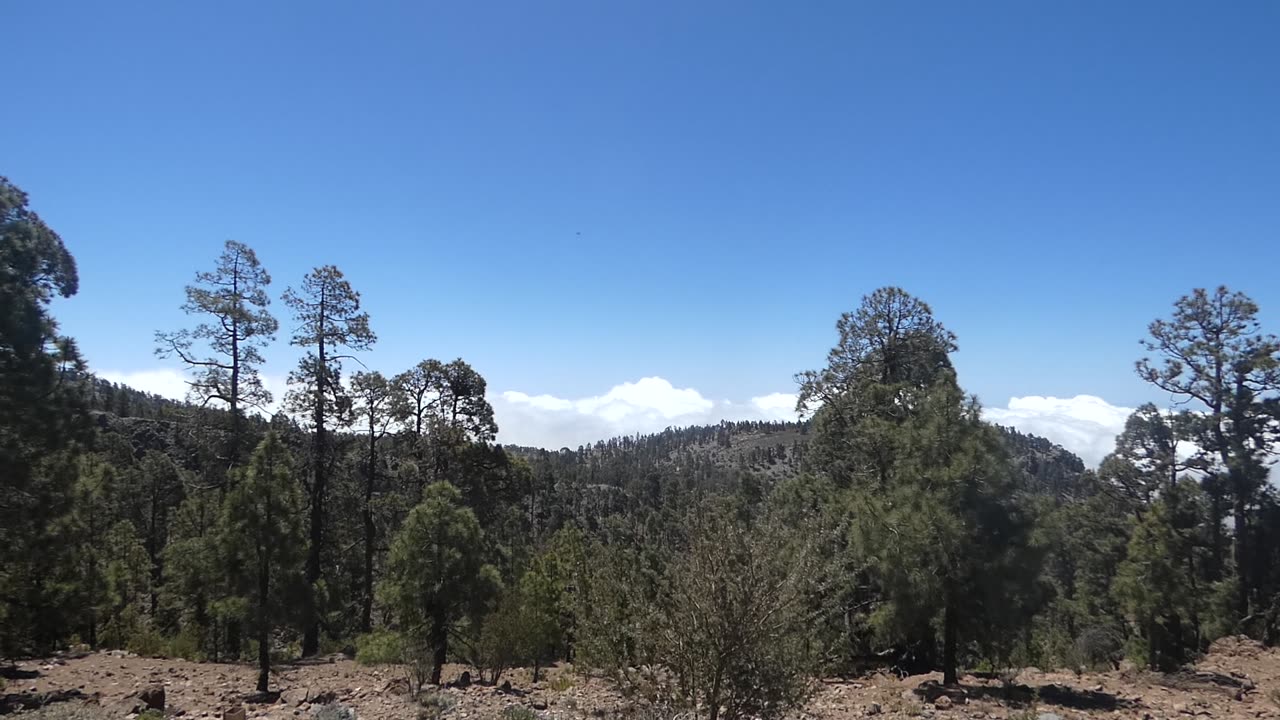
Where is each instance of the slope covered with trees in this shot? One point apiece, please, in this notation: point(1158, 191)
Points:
point(720, 568)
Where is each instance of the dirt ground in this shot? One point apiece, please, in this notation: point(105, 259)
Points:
point(1237, 679)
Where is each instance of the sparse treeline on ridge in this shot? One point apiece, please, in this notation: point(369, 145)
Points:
point(721, 568)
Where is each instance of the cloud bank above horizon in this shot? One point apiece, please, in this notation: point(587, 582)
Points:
point(1085, 424)
point(647, 405)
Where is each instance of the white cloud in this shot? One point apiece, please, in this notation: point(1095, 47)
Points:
point(171, 383)
point(1086, 425)
point(647, 405)
point(165, 382)
point(777, 406)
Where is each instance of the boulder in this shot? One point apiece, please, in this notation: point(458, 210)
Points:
point(153, 697)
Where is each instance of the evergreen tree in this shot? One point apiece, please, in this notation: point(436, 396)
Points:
point(444, 410)
point(1213, 354)
point(889, 346)
point(1145, 462)
point(329, 319)
point(436, 575)
point(936, 519)
point(160, 488)
point(224, 352)
point(193, 557)
point(262, 528)
point(373, 396)
point(123, 570)
point(41, 418)
point(1160, 583)
point(946, 540)
point(1086, 534)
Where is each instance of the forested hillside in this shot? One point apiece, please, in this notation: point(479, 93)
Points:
point(721, 568)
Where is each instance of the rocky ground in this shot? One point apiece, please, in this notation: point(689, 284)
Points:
point(1237, 679)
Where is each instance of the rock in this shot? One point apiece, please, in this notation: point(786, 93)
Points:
point(153, 697)
point(942, 702)
point(872, 709)
point(1048, 716)
point(1181, 708)
point(539, 705)
point(236, 713)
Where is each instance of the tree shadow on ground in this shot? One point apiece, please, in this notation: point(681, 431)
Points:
point(14, 702)
point(13, 672)
point(1018, 695)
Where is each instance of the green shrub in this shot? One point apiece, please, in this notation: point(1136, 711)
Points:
point(146, 642)
point(185, 645)
point(380, 647)
point(1098, 648)
point(434, 705)
point(518, 712)
point(68, 711)
point(561, 682)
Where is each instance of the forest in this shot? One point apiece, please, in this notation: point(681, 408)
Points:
point(722, 569)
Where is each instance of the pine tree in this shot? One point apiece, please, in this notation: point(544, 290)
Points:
point(373, 396)
point(443, 409)
point(262, 528)
point(193, 558)
point(41, 420)
point(328, 314)
point(1212, 353)
point(1160, 583)
point(160, 490)
point(224, 352)
point(936, 519)
point(436, 575)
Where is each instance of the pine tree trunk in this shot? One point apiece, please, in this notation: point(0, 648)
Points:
point(1243, 570)
point(949, 641)
point(1215, 530)
point(264, 640)
point(366, 609)
point(233, 460)
point(311, 634)
point(440, 648)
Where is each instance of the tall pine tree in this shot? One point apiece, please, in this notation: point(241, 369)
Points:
point(330, 324)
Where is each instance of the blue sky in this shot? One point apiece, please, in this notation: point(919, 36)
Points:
point(577, 195)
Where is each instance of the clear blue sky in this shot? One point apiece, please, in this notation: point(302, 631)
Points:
point(575, 194)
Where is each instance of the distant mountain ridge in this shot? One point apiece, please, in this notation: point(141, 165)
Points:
point(715, 454)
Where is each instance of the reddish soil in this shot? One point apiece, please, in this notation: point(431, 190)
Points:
point(1237, 679)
